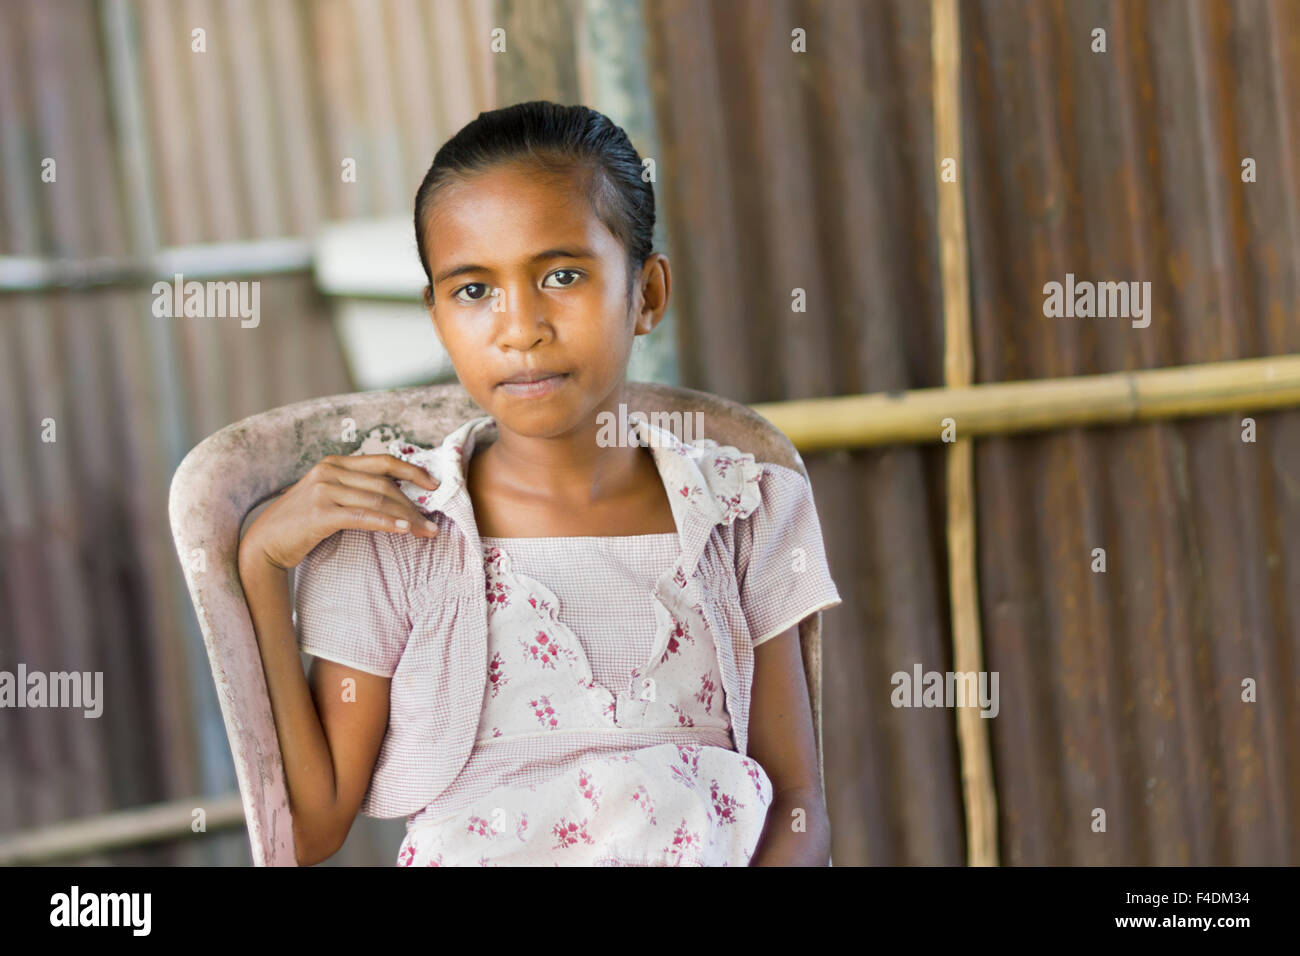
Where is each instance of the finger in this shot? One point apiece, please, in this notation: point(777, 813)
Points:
point(379, 484)
point(382, 484)
point(388, 465)
point(364, 519)
point(360, 503)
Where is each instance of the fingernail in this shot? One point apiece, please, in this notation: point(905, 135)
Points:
point(403, 523)
point(431, 526)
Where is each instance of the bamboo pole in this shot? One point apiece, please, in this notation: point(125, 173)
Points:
point(1003, 408)
point(978, 792)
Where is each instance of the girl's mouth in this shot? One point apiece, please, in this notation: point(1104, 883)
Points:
point(537, 389)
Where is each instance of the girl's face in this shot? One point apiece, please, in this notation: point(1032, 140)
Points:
point(527, 279)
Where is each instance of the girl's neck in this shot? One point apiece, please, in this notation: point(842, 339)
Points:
point(573, 467)
point(618, 491)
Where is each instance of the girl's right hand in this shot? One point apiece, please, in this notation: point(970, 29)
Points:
point(340, 491)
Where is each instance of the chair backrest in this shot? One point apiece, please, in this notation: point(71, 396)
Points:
point(234, 470)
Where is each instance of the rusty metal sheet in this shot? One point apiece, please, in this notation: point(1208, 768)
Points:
point(1122, 691)
point(812, 171)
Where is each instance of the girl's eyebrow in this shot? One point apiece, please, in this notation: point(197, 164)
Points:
point(574, 252)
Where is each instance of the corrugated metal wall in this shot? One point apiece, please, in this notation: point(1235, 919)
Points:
point(1120, 691)
point(813, 171)
point(777, 170)
point(243, 141)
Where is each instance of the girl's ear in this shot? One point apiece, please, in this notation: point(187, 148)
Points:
point(654, 285)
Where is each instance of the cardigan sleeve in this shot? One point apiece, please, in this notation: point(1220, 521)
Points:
point(781, 566)
point(350, 602)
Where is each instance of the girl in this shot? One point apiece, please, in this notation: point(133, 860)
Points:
point(540, 645)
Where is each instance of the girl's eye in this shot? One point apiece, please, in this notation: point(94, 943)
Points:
point(573, 272)
point(576, 274)
point(472, 285)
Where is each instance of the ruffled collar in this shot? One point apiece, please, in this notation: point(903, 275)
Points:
point(707, 483)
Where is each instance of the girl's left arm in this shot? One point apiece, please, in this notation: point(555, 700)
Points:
point(781, 740)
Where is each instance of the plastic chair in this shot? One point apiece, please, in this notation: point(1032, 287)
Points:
point(234, 470)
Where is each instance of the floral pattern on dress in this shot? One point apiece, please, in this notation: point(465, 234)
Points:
point(689, 493)
point(497, 678)
point(758, 778)
point(544, 712)
point(685, 845)
point(687, 767)
point(497, 596)
point(568, 833)
point(545, 650)
point(683, 718)
point(660, 805)
point(549, 657)
point(679, 633)
point(623, 809)
point(590, 792)
point(707, 689)
point(724, 804)
point(641, 797)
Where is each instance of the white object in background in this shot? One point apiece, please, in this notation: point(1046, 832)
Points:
point(390, 344)
point(371, 269)
point(369, 257)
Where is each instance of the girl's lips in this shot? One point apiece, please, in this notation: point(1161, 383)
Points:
point(534, 389)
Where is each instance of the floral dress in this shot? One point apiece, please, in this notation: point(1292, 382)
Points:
point(605, 738)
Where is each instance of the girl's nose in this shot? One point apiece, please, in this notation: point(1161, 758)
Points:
point(524, 324)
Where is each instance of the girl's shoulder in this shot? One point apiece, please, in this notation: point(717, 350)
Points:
point(783, 521)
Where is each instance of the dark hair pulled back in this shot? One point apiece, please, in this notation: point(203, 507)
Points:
point(558, 139)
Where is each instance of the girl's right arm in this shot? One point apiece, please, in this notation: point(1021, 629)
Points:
point(329, 744)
